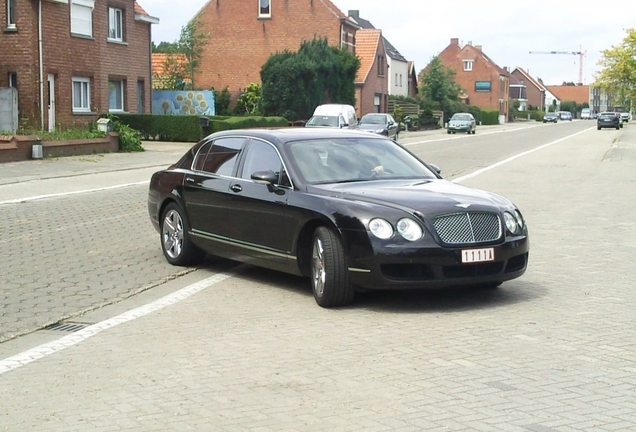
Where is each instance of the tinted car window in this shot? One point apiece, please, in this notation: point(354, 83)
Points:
point(223, 155)
point(201, 155)
point(261, 156)
point(378, 119)
point(354, 159)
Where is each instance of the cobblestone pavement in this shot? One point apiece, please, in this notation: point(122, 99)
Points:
point(552, 351)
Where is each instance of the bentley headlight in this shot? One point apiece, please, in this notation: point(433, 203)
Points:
point(381, 229)
point(409, 229)
point(519, 218)
point(380, 131)
point(511, 223)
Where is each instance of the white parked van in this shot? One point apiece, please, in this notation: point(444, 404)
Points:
point(586, 114)
point(334, 116)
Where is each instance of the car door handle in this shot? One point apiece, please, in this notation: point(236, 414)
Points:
point(236, 188)
point(189, 180)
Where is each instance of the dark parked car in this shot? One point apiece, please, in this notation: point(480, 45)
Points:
point(609, 119)
point(550, 117)
point(348, 209)
point(381, 124)
point(462, 122)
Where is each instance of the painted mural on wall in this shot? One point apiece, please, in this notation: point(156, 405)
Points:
point(177, 102)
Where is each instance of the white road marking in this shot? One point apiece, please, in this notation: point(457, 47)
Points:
point(517, 156)
point(466, 136)
point(26, 357)
point(40, 197)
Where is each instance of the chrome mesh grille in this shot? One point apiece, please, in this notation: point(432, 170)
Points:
point(468, 227)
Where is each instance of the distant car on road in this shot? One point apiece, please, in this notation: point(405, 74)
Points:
point(381, 124)
point(550, 117)
point(566, 116)
point(586, 114)
point(462, 122)
point(608, 119)
point(624, 116)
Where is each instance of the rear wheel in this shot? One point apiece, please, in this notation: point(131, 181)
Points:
point(330, 280)
point(175, 241)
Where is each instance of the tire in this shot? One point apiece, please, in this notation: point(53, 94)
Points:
point(175, 240)
point(474, 131)
point(330, 281)
point(598, 128)
point(618, 127)
point(448, 132)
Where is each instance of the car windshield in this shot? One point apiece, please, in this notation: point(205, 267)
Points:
point(354, 159)
point(463, 117)
point(373, 119)
point(329, 121)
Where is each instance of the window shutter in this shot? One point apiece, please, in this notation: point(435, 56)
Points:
point(81, 19)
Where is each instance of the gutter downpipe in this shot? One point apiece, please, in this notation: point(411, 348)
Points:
point(41, 65)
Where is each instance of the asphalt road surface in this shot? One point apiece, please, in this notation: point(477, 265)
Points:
point(229, 347)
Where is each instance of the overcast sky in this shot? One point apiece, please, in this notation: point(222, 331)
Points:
point(420, 29)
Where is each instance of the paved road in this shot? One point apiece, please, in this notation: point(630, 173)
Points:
point(552, 351)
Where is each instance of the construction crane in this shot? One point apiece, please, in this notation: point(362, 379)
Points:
point(580, 53)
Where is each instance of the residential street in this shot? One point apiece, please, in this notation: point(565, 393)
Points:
point(228, 347)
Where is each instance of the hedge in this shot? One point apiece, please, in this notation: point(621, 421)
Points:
point(534, 115)
point(187, 128)
point(489, 117)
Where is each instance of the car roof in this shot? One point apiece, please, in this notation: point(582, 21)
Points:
point(282, 135)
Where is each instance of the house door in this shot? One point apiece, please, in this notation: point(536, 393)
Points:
point(51, 102)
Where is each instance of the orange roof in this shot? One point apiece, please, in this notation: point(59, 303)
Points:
point(568, 93)
point(139, 9)
point(159, 62)
point(367, 42)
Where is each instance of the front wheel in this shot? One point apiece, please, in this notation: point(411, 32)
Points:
point(175, 241)
point(330, 279)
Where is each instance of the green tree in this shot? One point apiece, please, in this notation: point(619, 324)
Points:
point(618, 74)
point(294, 83)
point(172, 74)
point(164, 47)
point(438, 87)
point(248, 102)
point(191, 44)
point(222, 100)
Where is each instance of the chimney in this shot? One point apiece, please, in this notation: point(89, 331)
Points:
point(454, 41)
point(470, 43)
point(478, 47)
point(355, 14)
point(507, 69)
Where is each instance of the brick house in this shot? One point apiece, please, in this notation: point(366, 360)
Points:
point(398, 75)
point(535, 91)
point(371, 80)
point(485, 83)
point(94, 58)
point(569, 93)
point(242, 35)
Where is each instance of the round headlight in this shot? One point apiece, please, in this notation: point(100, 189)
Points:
point(379, 131)
point(511, 223)
point(519, 218)
point(409, 229)
point(381, 229)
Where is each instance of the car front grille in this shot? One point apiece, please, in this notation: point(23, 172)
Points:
point(461, 228)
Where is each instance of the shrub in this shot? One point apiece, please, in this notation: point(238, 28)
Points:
point(489, 117)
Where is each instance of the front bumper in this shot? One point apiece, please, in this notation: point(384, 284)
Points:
point(459, 128)
point(438, 267)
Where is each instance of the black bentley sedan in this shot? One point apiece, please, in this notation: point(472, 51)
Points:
point(350, 210)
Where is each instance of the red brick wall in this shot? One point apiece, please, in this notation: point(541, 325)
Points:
point(533, 94)
point(375, 85)
point(65, 56)
point(483, 70)
point(239, 42)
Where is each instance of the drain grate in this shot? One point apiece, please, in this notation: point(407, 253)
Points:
point(66, 327)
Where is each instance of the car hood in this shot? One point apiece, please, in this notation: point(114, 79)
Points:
point(428, 197)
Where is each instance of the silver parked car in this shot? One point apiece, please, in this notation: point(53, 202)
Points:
point(462, 122)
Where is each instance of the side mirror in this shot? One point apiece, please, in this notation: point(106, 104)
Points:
point(265, 177)
point(435, 168)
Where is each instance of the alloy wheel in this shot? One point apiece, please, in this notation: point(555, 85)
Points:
point(319, 275)
point(172, 234)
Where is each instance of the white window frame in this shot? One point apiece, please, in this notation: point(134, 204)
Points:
point(468, 65)
point(82, 25)
point(120, 84)
point(115, 24)
point(11, 14)
point(85, 95)
point(269, 8)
